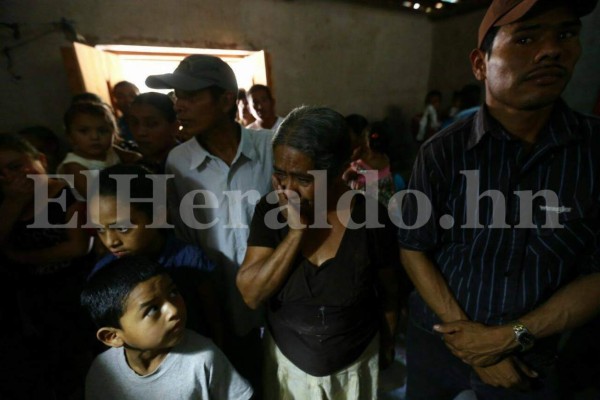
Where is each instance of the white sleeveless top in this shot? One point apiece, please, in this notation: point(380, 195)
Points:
point(112, 158)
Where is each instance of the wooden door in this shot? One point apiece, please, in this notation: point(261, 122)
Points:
point(91, 70)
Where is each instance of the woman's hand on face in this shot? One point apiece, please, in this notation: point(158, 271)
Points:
point(290, 201)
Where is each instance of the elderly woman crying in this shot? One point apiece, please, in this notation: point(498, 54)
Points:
point(328, 278)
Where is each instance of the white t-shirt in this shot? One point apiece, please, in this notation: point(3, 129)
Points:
point(226, 215)
point(194, 369)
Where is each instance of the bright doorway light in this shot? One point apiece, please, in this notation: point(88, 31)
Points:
point(138, 62)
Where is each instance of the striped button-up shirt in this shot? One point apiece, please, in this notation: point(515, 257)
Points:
point(501, 264)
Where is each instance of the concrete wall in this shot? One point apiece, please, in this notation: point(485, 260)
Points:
point(349, 57)
point(584, 88)
point(453, 40)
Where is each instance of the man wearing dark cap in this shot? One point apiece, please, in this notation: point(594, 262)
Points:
point(219, 175)
point(509, 257)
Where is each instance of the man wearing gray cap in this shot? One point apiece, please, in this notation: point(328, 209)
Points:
point(510, 256)
point(219, 175)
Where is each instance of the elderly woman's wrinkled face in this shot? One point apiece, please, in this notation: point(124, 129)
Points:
point(290, 172)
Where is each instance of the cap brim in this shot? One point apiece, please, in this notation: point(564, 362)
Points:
point(176, 81)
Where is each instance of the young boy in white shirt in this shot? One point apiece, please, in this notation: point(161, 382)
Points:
point(141, 316)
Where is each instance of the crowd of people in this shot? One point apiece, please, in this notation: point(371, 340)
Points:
point(200, 246)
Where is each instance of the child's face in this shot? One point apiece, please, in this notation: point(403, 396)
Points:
point(151, 130)
point(154, 316)
point(125, 241)
point(91, 136)
point(15, 166)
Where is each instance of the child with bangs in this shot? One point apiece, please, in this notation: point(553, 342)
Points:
point(91, 130)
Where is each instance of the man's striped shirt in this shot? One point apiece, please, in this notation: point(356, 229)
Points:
point(498, 274)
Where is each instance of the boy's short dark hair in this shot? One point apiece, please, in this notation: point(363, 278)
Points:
point(106, 292)
point(140, 187)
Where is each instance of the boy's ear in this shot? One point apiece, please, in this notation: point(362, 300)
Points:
point(110, 337)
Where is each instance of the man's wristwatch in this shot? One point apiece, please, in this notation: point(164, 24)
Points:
point(524, 338)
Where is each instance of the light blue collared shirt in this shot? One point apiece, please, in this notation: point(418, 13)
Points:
point(222, 225)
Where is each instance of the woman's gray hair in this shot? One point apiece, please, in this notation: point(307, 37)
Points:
point(321, 134)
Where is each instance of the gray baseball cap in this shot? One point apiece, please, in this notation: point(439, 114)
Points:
point(196, 72)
